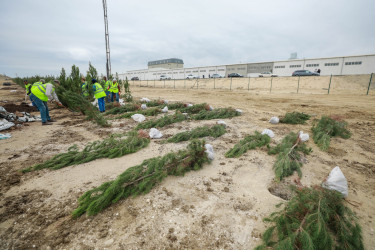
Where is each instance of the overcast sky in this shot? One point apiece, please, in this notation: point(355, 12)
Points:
point(41, 37)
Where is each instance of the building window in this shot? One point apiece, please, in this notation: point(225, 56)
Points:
point(295, 66)
point(280, 67)
point(312, 65)
point(331, 64)
point(353, 63)
point(195, 70)
point(202, 71)
point(221, 70)
point(212, 70)
point(188, 71)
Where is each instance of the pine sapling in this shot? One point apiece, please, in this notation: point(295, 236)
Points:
point(326, 128)
point(295, 118)
point(315, 218)
point(199, 132)
point(248, 143)
point(289, 158)
point(142, 178)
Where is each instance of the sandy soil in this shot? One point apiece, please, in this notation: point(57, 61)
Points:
point(218, 207)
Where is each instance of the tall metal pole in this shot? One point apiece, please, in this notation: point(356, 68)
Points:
point(108, 56)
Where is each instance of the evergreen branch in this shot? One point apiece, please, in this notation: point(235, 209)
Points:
point(214, 131)
point(163, 121)
point(289, 158)
point(315, 218)
point(248, 143)
point(112, 147)
point(123, 109)
point(220, 113)
point(326, 128)
point(147, 112)
point(142, 178)
point(295, 118)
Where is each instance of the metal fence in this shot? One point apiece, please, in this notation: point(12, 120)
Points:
point(334, 84)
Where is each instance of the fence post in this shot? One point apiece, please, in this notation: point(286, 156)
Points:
point(174, 83)
point(154, 83)
point(298, 84)
point(231, 83)
point(248, 85)
point(271, 84)
point(164, 83)
point(368, 89)
point(329, 86)
point(147, 83)
point(214, 83)
point(184, 83)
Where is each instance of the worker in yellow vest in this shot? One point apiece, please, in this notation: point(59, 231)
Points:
point(107, 86)
point(28, 92)
point(99, 94)
point(41, 92)
point(115, 90)
point(84, 87)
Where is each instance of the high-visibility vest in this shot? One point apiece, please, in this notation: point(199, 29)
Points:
point(84, 89)
point(114, 87)
point(28, 86)
point(108, 84)
point(99, 91)
point(39, 90)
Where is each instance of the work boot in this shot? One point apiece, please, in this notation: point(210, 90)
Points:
point(52, 120)
point(46, 123)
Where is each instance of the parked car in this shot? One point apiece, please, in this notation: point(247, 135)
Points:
point(191, 76)
point(267, 74)
point(135, 78)
point(165, 77)
point(304, 73)
point(234, 75)
point(216, 76)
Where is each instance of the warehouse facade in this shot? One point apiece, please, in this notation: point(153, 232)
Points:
point(346, 65)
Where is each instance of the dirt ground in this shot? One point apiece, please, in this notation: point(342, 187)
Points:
point(218, 207)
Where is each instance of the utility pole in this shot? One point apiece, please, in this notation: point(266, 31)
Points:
point(108, 65)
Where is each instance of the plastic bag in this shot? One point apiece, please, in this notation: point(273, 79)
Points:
point(211, 108)
point(4, 124)
point(155, 134)
point(239, 111)
point(138, 117)
point(5, 136)
point(222, 123)
point(189, 105)
point(165, 101)
point(95, 103)
point(268, 132)
point(143, 106)
point(337, 181)
point(274, 120)
point(122, 102)
point(165, 109)
point(303, 137)
point(209, 151)
point(144, 99)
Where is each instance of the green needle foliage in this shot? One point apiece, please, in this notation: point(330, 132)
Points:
point(216, 114)
point(128, 95)
point(123, 109)
point(177, 105)
point(326, 128)
point(142, 178)
point(195, 109)
point(112, 147)
point(163, 121)
point(250, 142)
point(147, 112)
point(78, 103)
point(295, 118)
point(289, 158)
point(315, 219)
point(214, 131)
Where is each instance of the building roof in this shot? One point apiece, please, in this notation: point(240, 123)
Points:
point(163, 61)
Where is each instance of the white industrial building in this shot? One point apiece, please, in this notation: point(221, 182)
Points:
point(345, 65)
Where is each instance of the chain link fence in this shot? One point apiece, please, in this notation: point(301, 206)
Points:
point(334, 84)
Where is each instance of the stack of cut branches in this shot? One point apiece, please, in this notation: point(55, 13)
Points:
point(249, 142)
point(214, 131)
point(295, 118)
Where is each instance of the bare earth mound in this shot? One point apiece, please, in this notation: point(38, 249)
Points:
point(218, 207)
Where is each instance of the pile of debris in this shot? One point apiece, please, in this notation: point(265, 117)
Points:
point(8, 119)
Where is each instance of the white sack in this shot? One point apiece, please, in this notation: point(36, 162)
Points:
point(337, 181)
point(4, 124)
point(165, 109)
point(95, 103)
point(138, 117)
point(144, 99)
point(155, 134)
point(143, 106)
point(239, 111)
point(268, 132)
point(211, 108)
point(5, 136)
point(122, 102)
point(274, 120)
point(165, 101)
point(222, 123)
point(303, 137)
point(189, 105)
point(209, 151)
